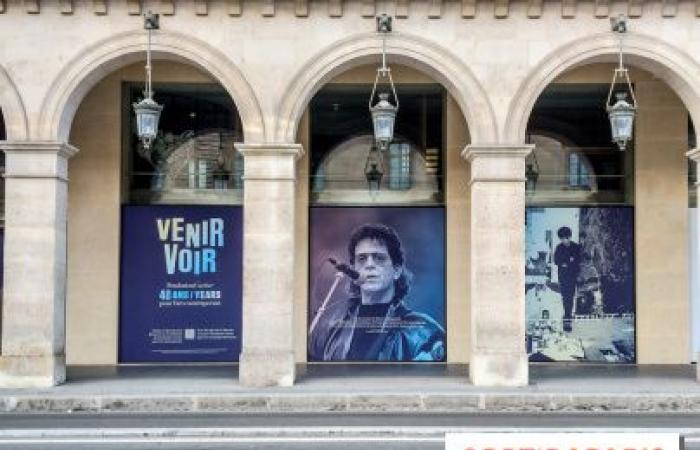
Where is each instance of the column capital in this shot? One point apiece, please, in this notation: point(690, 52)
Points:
point(270, 149)
point(60, 148)
point(497, 162)
point(473, 151)
point(694, 155)
point(37, 159)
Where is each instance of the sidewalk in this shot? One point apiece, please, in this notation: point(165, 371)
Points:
point(416, 389)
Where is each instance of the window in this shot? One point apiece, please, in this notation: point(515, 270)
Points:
point(578, 172)
point(193, 160)
point(341, 135)
point(399, 166)
point(574, 158)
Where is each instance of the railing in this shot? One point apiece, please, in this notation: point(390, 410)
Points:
point(562, 188)
point(191, 188)
point(358, 190)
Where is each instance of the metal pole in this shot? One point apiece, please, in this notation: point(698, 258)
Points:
point(149, 92)
point(322, 309)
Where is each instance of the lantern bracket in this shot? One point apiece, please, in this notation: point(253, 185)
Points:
point(384, 27)
point(619, 26)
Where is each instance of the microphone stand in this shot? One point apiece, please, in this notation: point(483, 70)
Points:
point(338, 276)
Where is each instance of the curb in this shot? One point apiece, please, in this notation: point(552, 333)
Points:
point(361, 403)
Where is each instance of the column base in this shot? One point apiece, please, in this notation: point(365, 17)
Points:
point(506, 369)
point(32, 371)
point(266, 368)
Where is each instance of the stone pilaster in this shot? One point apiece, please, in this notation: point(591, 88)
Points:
point(498, 356)
point(34, 293)
point(267, 358)
point(694, 156)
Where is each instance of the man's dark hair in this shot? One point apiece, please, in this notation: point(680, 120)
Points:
point(564, 233)
point(388, 237)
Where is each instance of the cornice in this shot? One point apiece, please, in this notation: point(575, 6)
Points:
point(433, 9)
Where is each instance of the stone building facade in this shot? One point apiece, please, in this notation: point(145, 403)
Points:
point(62, 66)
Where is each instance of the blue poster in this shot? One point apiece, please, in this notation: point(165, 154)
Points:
point(579, 284)
point(180, 287)
point(377, 284)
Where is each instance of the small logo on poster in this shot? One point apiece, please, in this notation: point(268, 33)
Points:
point(562, 441)
point(189, 334)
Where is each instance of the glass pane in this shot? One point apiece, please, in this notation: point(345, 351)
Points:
point(342, 133)
point(192, 159)
point(383, 127)
point(575, 158)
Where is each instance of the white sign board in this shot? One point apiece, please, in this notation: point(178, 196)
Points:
point(562, 441)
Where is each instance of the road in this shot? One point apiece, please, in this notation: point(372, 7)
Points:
point(331, 431)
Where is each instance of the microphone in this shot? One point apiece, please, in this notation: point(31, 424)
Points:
point(344, 268)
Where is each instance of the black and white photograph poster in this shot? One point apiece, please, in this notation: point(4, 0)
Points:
point(579, 284)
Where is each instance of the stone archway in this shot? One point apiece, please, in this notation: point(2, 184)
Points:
point(407, 50)
point(663, 60)
point(660, 202)
point(12, 107)
point(82, 73)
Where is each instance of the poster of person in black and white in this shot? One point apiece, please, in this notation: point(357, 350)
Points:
point(579, 284)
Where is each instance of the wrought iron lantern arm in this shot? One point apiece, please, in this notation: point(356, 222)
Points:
point(619, 26)
point(383, 112)
point(147, 110)
point(383, 72)
point(621, 113)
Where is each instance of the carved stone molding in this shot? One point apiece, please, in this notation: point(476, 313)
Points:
point(601, 8)
point(469, 9)
point(268, 8)
point(434, 9)
point(501, 8)
point(568, 9)
point(402, 9)
point(301, 8)
point(99, 7)
point(235, 7)
point(66, 6)
point(335, 8)
point(133, 7)
point(635, 8)
point(534, 9)
point(369, 8)
point(32, 6)
point(201, 7)
point(167, 7)
point(669, 8)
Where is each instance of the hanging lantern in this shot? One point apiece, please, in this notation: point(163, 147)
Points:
point(383, 119)
point(221, 175)
point(532, 174)
point(622, 113)
point(147, 117)
point(621, 116)
point(383, 112)
point(374, 170)
point(147, 110)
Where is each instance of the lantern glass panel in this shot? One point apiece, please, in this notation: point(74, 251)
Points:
point(147, 123)
point(621, 123)
point(383, 126)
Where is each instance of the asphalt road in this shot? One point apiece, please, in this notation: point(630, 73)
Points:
point(332, 431)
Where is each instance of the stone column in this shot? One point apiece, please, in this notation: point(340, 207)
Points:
point(267, 358)
point(694, 156)
point(33, 304)
point(498, 356)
